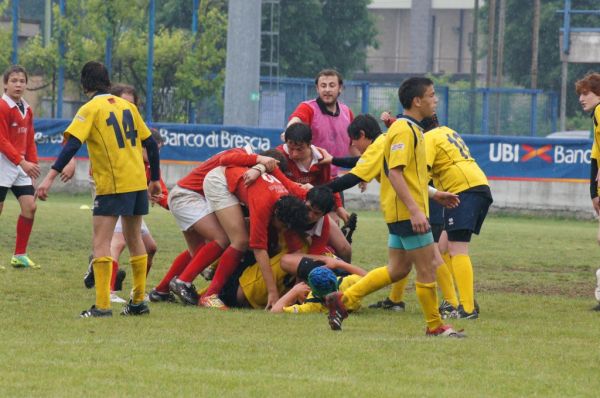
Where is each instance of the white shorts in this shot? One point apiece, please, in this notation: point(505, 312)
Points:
point(11, 175)
point(187, 206)
point(216, 190)
point(119, 227)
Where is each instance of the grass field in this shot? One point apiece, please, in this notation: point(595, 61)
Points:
point(536, 335)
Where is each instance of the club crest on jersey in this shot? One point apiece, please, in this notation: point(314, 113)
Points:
point(79, 117)
point(398, 147)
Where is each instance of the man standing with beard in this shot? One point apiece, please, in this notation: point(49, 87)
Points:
point(327, 117)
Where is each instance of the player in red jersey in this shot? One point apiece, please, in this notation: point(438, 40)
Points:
point(18, 158)
point(205, 238)
point(267, 197)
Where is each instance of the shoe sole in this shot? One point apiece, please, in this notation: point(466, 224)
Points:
point(337, 312)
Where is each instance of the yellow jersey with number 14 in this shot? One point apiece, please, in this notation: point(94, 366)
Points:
point(114, 131)
point(452, 167)
point(405, 148)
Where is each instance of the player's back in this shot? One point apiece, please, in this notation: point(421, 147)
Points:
point(113, 130)
point(452, 166)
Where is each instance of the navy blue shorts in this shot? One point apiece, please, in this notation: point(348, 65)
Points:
point(469, 215)
point(122, 204)
point(436, 219)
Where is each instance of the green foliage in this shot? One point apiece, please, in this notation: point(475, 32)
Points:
point(517, 51)
point(516, 349)
point(318, 34)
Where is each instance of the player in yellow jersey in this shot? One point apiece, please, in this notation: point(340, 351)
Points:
point(115, 133)
point(398, 159)
point(453, 169)
point(588, 90)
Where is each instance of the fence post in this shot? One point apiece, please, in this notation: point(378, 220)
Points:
point(15, 32)
point(485, 112)
point(554, 109)
point(61, 62)
point(446, 107)
point(364, 108)
point(533, 123)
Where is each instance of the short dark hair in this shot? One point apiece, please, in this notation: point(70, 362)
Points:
point(590, 82)
point(119, 89)
point(298, 132)
point(366, 123)
point(14, 69)
point(412, 88)
point(275, 154)
point(321, 197)
point(292, 212)
point(330, 72)
point(94, 77)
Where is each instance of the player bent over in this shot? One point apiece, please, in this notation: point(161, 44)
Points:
point(115, 134)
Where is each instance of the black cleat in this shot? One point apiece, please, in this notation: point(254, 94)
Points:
point(88, 278)
point(337, 310)
point(94, 312)
point(135, 309)
point(159, 297)
point(121, 274)
point(187, 294)
point(349, 227)
point(596, 308)
point(461, 314)
point(388, 304)
point(447, 310)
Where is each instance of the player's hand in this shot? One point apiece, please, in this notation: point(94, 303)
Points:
point(419, 222)
point(307, 186)
point(154, 191)
point(250, 176)
point(42, 190)
point(271, 300)
point(69, 171)
point(385, 116)
point(596, 205)
point(301, 290)
point(342, 214)
point(31, 169)
point(363, 186)
point(327, 157)
point(446, 199)
point(268, 162)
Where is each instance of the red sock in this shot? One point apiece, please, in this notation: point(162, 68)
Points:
point(24, 226)
point(202, 259)
point(229, 262)
point(179, 264)
point(113, 276)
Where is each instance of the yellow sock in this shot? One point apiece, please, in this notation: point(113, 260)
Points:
point(102, 273)
point(463, 271)
point(427, 295)
point(446, 284)
point(373, 281)
point(397, 292)
point(138, 268)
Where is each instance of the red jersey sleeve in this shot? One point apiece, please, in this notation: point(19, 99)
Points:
point(6, 146)
point(290, 185)
point(319, 243)
point(304, 112)
point(31, 151)
point(238, 159)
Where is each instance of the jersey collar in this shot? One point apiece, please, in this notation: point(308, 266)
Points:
point(410, 119)
point(12, 104)
point(324, 109)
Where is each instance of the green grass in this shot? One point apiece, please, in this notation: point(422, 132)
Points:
point(536, 335)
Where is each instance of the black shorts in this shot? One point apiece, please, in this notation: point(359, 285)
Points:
point(469, 215)
point(401, 228)
point(122, 204)
point(17, 190)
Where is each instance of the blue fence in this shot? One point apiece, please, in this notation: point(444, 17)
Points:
point(496, 111)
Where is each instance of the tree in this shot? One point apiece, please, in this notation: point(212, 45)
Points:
point(519, 17)
point(317, 34)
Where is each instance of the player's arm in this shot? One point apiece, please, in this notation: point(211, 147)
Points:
point(154, 188)
point(296, 294)
point(31, 151)
point(66, 154)
point(262, 258)
point(594, 185)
